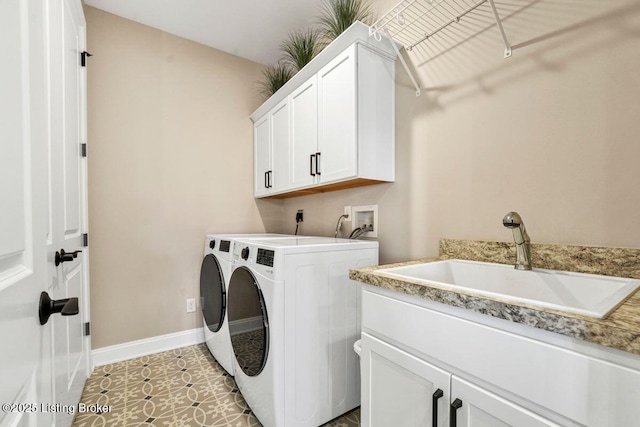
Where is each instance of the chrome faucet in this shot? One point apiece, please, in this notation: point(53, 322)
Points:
point(523, 243)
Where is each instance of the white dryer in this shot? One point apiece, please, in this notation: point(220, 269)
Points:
point(294, 316)
point(214, 278)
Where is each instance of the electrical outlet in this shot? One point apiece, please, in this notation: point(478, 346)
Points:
point(347, 212)
point(191, 305)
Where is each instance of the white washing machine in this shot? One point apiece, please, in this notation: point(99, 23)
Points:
point(294, 316)
point(214, 278)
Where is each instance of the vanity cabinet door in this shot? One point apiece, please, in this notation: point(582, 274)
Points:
point(399, 389)
point(477, 407)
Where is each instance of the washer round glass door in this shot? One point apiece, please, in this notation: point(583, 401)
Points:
point(213, 295)
point(248, 323)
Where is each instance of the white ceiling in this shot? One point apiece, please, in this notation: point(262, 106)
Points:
point(251, 29)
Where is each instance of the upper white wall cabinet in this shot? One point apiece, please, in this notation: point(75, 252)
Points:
point(332, 126)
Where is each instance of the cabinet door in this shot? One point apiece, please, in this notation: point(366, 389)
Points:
point(337, 118)
point(278, 176)
point(262, 153)
point(304, 133)
point(480, 408)
point(399, 389)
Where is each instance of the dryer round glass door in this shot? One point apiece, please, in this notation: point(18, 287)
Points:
point(213, 296)
point(248, 324)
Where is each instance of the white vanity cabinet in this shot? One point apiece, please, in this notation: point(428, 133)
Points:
point(492, 373)
point(341, 121)
point(403, 390)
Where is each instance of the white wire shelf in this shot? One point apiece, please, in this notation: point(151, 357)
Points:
point(415, 23)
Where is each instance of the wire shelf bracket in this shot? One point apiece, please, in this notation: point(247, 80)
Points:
point(507, 46)
point(411, 22)
point(376, 35)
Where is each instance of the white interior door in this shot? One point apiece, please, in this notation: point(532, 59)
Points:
point(24, 212)
point(68, 177)
point(42, 208)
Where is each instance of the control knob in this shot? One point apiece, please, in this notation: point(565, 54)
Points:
point(212, 244)
point(244, 254)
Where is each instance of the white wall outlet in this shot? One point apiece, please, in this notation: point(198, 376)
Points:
point(191, 305)
point(347, 212)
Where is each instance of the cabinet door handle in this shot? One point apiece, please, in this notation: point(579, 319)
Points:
point(453, 412)
point(312, 159)
point(266, 185)
point(434, 407)
point(269, 175)
point(318, 163)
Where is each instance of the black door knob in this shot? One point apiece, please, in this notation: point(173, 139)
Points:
point(47, 307)
point(64, 256)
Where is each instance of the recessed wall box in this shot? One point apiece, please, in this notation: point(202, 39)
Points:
point(365, 216)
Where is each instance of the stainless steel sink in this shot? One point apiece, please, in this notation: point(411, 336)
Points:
point(586, 294)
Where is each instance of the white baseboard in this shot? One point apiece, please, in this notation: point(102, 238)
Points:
point(245, 325)
point(133, 349)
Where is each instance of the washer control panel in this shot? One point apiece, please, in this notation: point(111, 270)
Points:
point(224, 245)
point(265, 257)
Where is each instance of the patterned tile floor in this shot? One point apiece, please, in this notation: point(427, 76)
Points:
point(179, 388)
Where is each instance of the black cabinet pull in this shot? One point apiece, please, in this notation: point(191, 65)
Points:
point(265, 180)
point(63, 256)
point(312, 159)
point(269, 175)
point(47, 307)
point(318, 163)
point(453, 412)
point(434, 407)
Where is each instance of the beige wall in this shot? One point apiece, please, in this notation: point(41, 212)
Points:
point(553, 133)
point(170, 158)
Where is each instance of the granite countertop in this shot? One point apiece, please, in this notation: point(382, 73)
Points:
point(619, 330)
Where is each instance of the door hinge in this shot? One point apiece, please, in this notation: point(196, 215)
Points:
point(83, 57)
point(83, 149)
point(85, 240)
point(87, 329)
